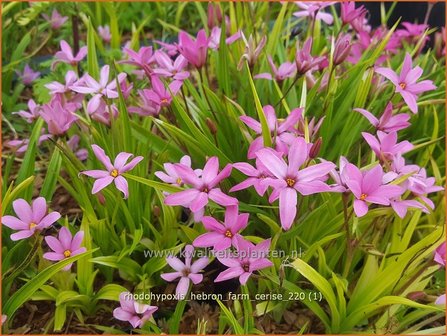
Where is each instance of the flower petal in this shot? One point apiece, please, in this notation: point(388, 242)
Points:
point(287, 207)
point(122, 185)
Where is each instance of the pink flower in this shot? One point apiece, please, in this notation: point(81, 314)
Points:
point(289, 179)
point(169, 68)
point(28, 76)
point(59, 117)
point(160, 96)
point(113, 172)
point(368, 187)
point(65, 246)
point(142, 59)
point(104, 113)
point(386, 146)
point(56, 21)
point(100, 89)
point(276, 129)
point(255, 176)
point(222, 235)
point(214, 39)
point(147, 106)
point(104, 33)
point(21, 146)
point(70, 79)
point(338, 176)
point(313, 10)
point(203, 187)
point(186, 271)
point(33, 114)
point(66, 55)
point(171, 49)
point(440, 300)
point(304, 60)
point(387, 122)
point(247, 259)
point(400, 207)
point(194, 51)
point(349, 13)
point(133, 312)
point(342, 49)
point(171, 176)
point(406, 82)
point(30, 218)
point(440, 254)
point(285, 70)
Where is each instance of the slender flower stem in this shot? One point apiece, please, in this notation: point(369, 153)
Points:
point(184, 99)
point(205, 95)
point(349, 246)
point(288, 90)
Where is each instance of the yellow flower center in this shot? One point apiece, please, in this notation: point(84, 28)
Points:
point(178, 181)
point(403, 85)
point(114, 173)
point(363, 197)
point(32, 225)
point(228, 234)
point(164, 101)
point(67, 253)
point(290, 182)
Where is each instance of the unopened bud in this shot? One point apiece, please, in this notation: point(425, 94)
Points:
point(101, 198)
point(211, 125)
point(315, 150)
point(342, 49)
point(156, 211)
point(416, 296)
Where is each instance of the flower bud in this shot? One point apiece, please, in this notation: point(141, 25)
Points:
point(211, 125)
point(315, 150)
point(342, 49)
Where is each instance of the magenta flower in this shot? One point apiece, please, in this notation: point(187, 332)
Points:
point(33, 114)
point(88, 85)
point(186, 271)
point(65, 246)
point(406, 84)
point(142, 59)
point(368, 187)
point(70, 79)
point(289, 179)
point(146, 106)
point(222, 235)
point(59, 117)
point(171, 176)
point(342, 49)
point(400, 207)
point(194, 51)
point(133, 312)
point(170, 48)
point(338, 176)
point(214, 39)
point(255, 176)
point(386, 146)
point(313, 10)
point(203, 187)
point(104, 33)
point(28, 75)
point(387, 122)
point(113, 172)
point(66, 55)
point(56, 20)
point(275, 127)
point(285, 70)
point(30, 218)
point(247, 259)
point(22, 145)
point(440, 254)
point(304, 60)
point(159, 95)
point(104, 113)
point(349, 13)
point(170, 68)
